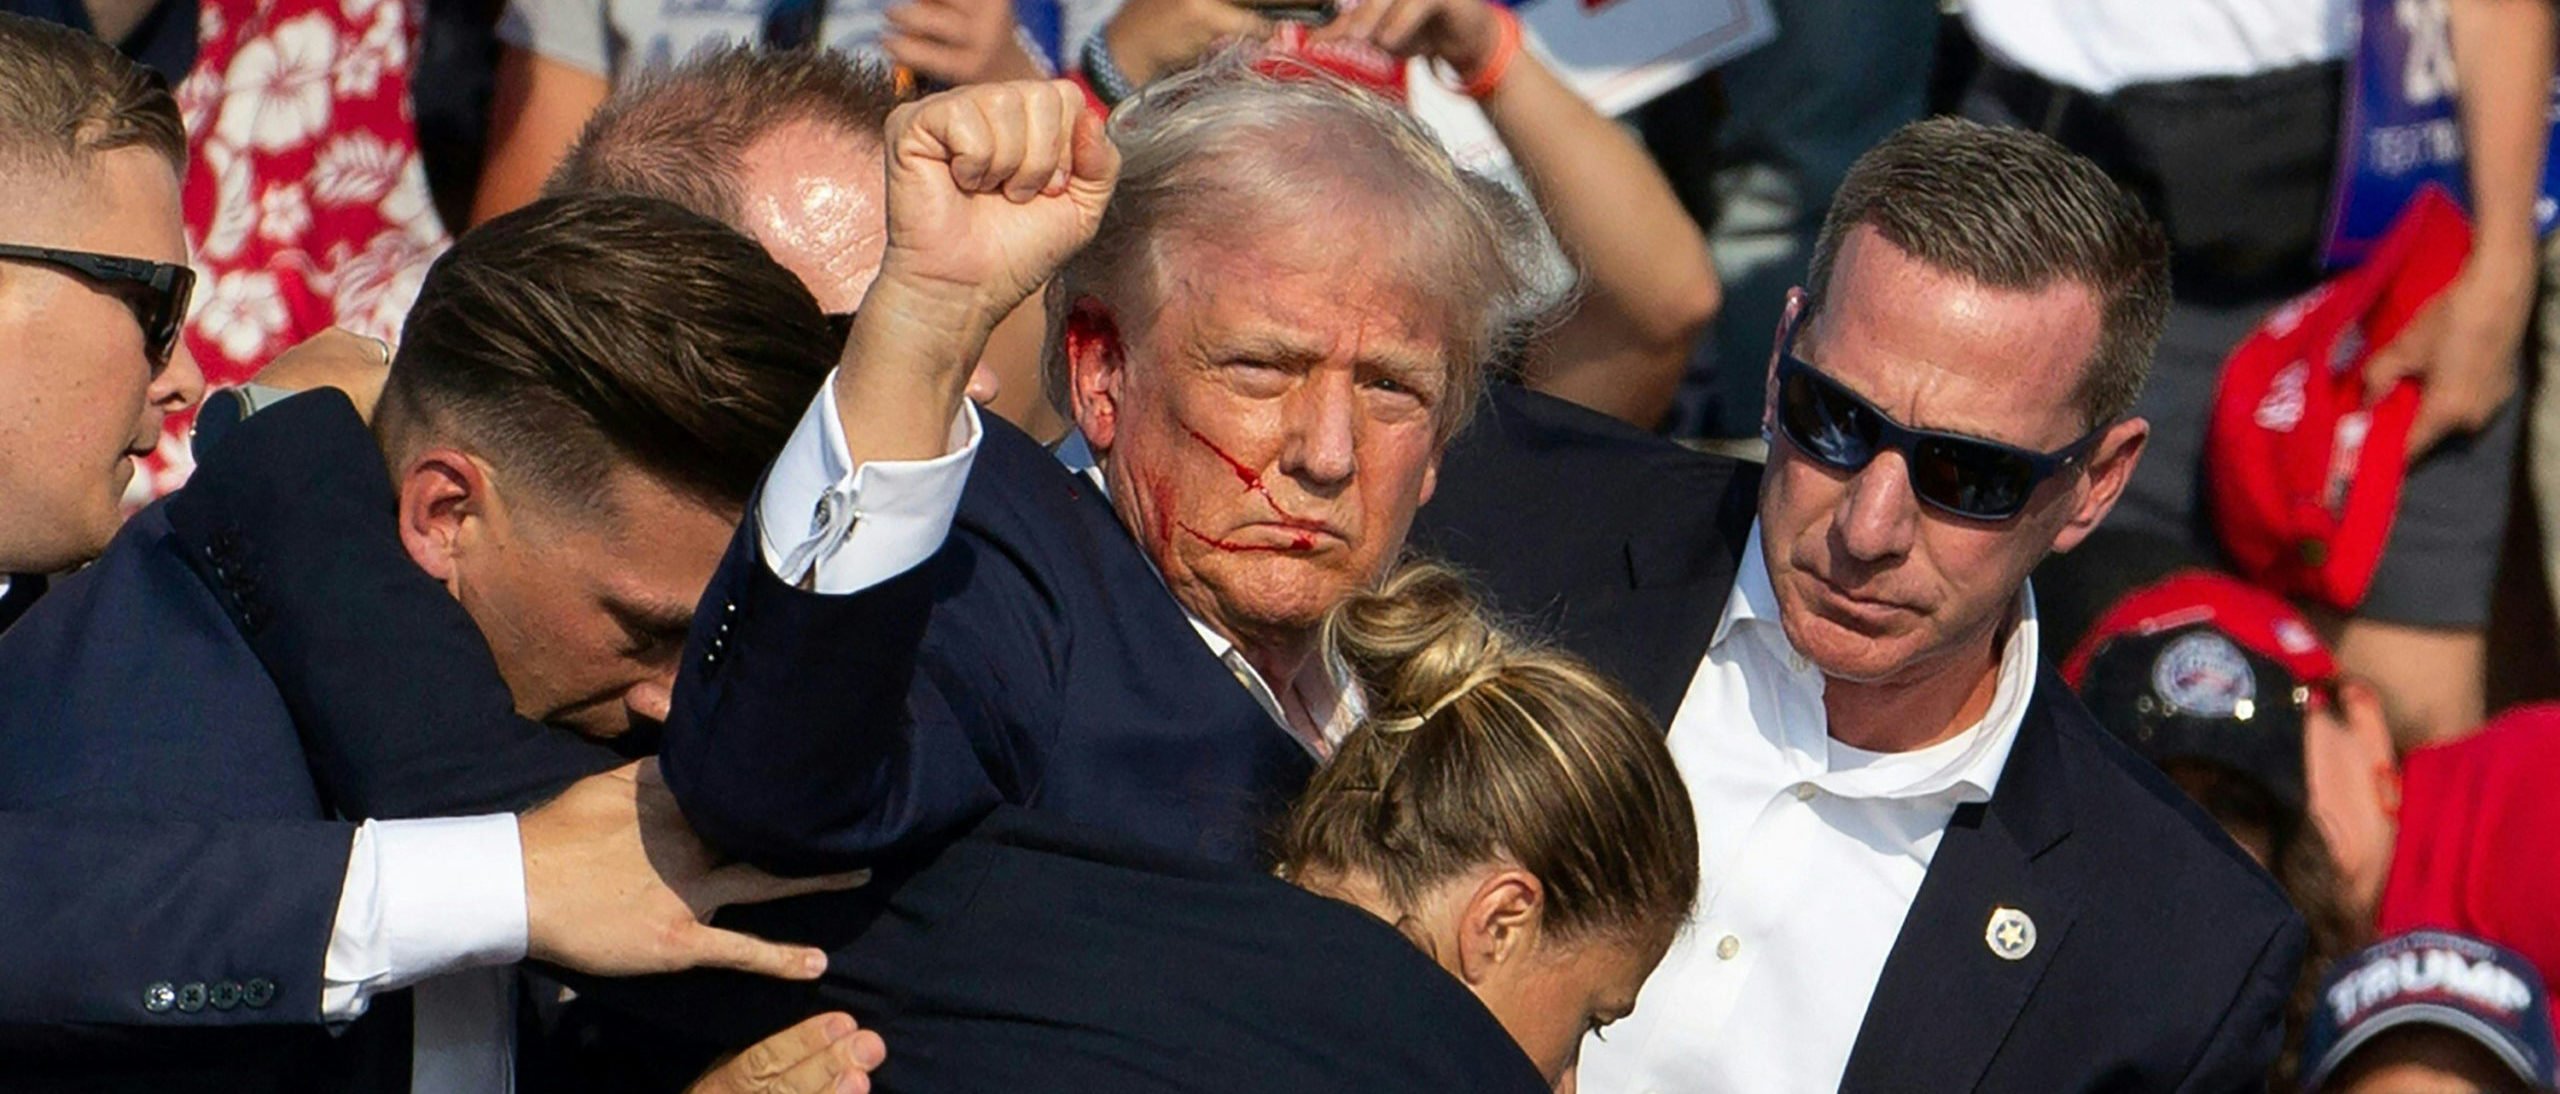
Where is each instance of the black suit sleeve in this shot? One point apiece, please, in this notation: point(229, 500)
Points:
point(95, 911)
point(293, 523)
point(815, 732)
point(2251, 1034)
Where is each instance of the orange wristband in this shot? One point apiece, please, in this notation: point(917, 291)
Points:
point(1506, 48)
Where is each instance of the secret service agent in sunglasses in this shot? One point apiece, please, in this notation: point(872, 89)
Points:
point(156, 292)
point(1965, 476)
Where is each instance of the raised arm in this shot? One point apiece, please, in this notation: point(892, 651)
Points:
point(804, 735)
point(1648, 286)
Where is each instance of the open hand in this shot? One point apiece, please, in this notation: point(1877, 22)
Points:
point(1150, 38)
point(1462, 33)
point(827, 1054)
point(616, 885)
point(349, 362)
point(2463, 348)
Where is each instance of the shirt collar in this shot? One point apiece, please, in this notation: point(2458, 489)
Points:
point(1967, 765)
point(1331, 697)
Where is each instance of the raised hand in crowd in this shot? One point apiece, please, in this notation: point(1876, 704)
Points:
point(1648, 284)
point(990, 188)
point(2464, 347)
point(1148, 39)
point(616, 885)
point(958, 41)
point(827, 1054)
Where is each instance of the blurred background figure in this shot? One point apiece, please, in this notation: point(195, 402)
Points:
point(2431, 1012)
point(2224, 118)
point(2230, 691)
point(560, 58)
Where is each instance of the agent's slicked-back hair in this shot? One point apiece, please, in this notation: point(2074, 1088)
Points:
point(1480, 748)
point(1226, 152)
point(680, 134)
point(66, 96)
point(582, 334)
point(2012, 209)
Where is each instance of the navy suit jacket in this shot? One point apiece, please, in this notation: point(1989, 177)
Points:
point(1033, 955)
point(2165, 955)
point(219, 690)
point(1036, 659)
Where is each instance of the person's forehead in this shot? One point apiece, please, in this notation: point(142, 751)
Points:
point(1293, 303)
point(1939, 350)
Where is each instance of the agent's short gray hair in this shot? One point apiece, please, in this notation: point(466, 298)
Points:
point(1226, 151)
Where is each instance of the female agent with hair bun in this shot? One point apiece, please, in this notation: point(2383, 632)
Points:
point(1506, 808)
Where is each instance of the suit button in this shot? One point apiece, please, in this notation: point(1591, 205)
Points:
point(258, 992)
point(728, 607)
point(224, 995)
point(191, 997)
point(158, 998)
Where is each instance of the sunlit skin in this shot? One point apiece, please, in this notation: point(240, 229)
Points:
point(1900, 605)
point(1486, 927)
point(1267, 445)
point(78, 402)
point(585, 613)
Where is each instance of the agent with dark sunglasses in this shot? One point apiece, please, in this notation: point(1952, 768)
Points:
point(1928, 868)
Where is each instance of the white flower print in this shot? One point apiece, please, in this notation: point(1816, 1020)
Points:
point(242, 314)
point(373, 289)
point(277, 91)
point(234, 210)
point(357, 168)
point(283, 214)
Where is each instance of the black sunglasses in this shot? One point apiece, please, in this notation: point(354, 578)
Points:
point(156, 292)
point(1965, 476)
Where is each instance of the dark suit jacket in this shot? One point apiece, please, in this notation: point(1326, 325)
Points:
point(2165, 955)
point(137, 701)
point(1035, 659)
point(1036, 956)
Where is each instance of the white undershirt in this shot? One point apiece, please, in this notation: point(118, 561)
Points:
point(1811, 854)
point(2101, 45)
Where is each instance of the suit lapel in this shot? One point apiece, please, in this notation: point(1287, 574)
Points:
point(1946, 999)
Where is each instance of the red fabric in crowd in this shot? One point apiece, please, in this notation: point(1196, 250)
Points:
point(2303, 477)
point(2251, 616)
point(2479, 846)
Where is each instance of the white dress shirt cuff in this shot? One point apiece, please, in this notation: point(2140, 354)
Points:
point(423, 897)
point(854, 528)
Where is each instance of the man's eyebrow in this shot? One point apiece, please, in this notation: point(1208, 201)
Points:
point(648, 616)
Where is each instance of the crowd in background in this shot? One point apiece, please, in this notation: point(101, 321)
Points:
point(2323, 605)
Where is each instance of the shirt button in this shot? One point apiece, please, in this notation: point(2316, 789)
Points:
point(1796, 661)
point(1806, 792)
point(1727, 947)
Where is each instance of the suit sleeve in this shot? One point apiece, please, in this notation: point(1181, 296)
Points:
point(2251, 1035)
point(96, 913)
point(400, 707)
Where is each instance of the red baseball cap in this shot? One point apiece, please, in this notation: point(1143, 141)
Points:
point(2257, 620)
point(2303, 475)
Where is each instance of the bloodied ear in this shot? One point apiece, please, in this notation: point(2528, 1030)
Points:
point(1095, 357)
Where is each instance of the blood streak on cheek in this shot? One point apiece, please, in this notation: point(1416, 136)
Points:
point(1252, 481)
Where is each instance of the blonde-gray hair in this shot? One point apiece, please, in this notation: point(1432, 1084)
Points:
point(1228, 149)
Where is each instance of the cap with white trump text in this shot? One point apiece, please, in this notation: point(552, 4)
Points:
point(2484, 992)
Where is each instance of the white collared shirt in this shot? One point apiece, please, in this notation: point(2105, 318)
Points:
point(1811, 854)
point(2100, 46)
point(841, 529)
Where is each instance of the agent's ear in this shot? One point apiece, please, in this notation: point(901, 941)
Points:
point(445, 498)
point(1498, 925)
point(2111, 464)
point(1096, 360)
